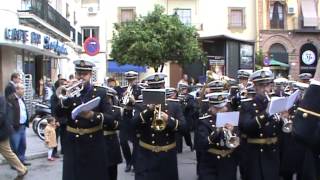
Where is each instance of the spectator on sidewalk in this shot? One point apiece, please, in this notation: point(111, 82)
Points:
point(5, 149)
point(50, 137)
point(19, 121)
point(10, 88)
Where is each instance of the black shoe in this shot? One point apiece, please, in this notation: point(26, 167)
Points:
point(26, 164)
point(13, 168)
point(21, 176)
point(128, 168)
point(191, 148)
point(56, 156)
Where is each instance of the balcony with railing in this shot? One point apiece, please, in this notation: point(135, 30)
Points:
point(32, 10)
point(306, 25)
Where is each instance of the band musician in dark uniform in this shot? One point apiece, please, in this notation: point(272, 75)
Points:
point(217, 144)
point(190, 113)
point(84, 142)
point(306, 127)
point(131, 93)
point(156, 150)
point(262, 130)
point(111, 139)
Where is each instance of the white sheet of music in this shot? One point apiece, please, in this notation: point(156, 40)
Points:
point(282, 104)
point(85, 107)
point(227, 117)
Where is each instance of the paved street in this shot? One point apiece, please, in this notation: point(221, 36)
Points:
point(42, 169)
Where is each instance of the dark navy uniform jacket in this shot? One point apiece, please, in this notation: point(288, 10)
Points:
point(111, 138)
point(158, 165)
point(83, 153)
point(263, 161)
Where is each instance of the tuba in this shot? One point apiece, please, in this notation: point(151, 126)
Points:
point(158, 124)
point(232, 141)
point(68, 91)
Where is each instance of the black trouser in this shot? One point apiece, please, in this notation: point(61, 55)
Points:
point(187, 138)
point(113, 172)
point(288, 176)
point(124, 143)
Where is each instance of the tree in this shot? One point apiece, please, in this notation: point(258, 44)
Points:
point(259, 60)
point(155, 39)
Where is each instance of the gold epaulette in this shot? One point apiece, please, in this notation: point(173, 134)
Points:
point(246, 100)
point(205, 116)
point(174, 100)
point(139, 101)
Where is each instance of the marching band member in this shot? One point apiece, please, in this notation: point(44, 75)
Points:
point(307, 129)
point(156, 152)
point(131, 92)
point(189, 110)
point(217, 160)
point(305, 77)
point(113, 152)
point(262, 131)
point(84, 142)
point(243, 77)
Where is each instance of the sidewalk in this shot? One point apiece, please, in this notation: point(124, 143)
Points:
point(35, 147)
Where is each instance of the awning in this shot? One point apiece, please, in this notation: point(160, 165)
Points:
point(274, 64)
point(310, 18)
point(113, 66)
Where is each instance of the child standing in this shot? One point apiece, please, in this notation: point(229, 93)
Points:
point(50, 137)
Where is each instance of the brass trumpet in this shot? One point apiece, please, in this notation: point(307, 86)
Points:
point(287, 125)
point(126, 98)
point(158, 123)
point(68, 91)
point(232, 141)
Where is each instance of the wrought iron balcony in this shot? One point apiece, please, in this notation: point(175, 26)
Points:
point(42, 10)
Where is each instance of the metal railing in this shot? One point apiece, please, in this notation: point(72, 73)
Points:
point(298, 24)
point(42, 9)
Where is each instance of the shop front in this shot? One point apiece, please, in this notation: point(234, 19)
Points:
point(29, 51)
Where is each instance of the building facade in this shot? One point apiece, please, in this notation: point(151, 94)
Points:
point(226, 29)
point(36, 39)
point(288, 32)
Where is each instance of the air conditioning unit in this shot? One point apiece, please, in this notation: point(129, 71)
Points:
point(92, 10)
point(291, 10)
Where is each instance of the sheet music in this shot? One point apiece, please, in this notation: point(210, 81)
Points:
point(282, 104)
point(227, 117)
point(93, 103)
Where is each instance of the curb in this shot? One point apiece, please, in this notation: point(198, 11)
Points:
point(29, 157)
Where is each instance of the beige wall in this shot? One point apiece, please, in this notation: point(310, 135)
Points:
point(214, 16)
point(8, 64)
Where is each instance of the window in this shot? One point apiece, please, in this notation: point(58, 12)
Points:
point(126, 15)
point(67, 10)
point(75, 21)
point(90, 32)
point(276, 16)
point(184, 16)
point(89, 3)
point(237, 18)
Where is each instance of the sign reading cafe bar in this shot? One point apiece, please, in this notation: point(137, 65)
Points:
point(36, 40)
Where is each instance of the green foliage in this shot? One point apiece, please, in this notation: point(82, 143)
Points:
point(155, 39)
point(259, 59)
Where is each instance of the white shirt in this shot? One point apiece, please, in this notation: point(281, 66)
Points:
point(23, 111)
